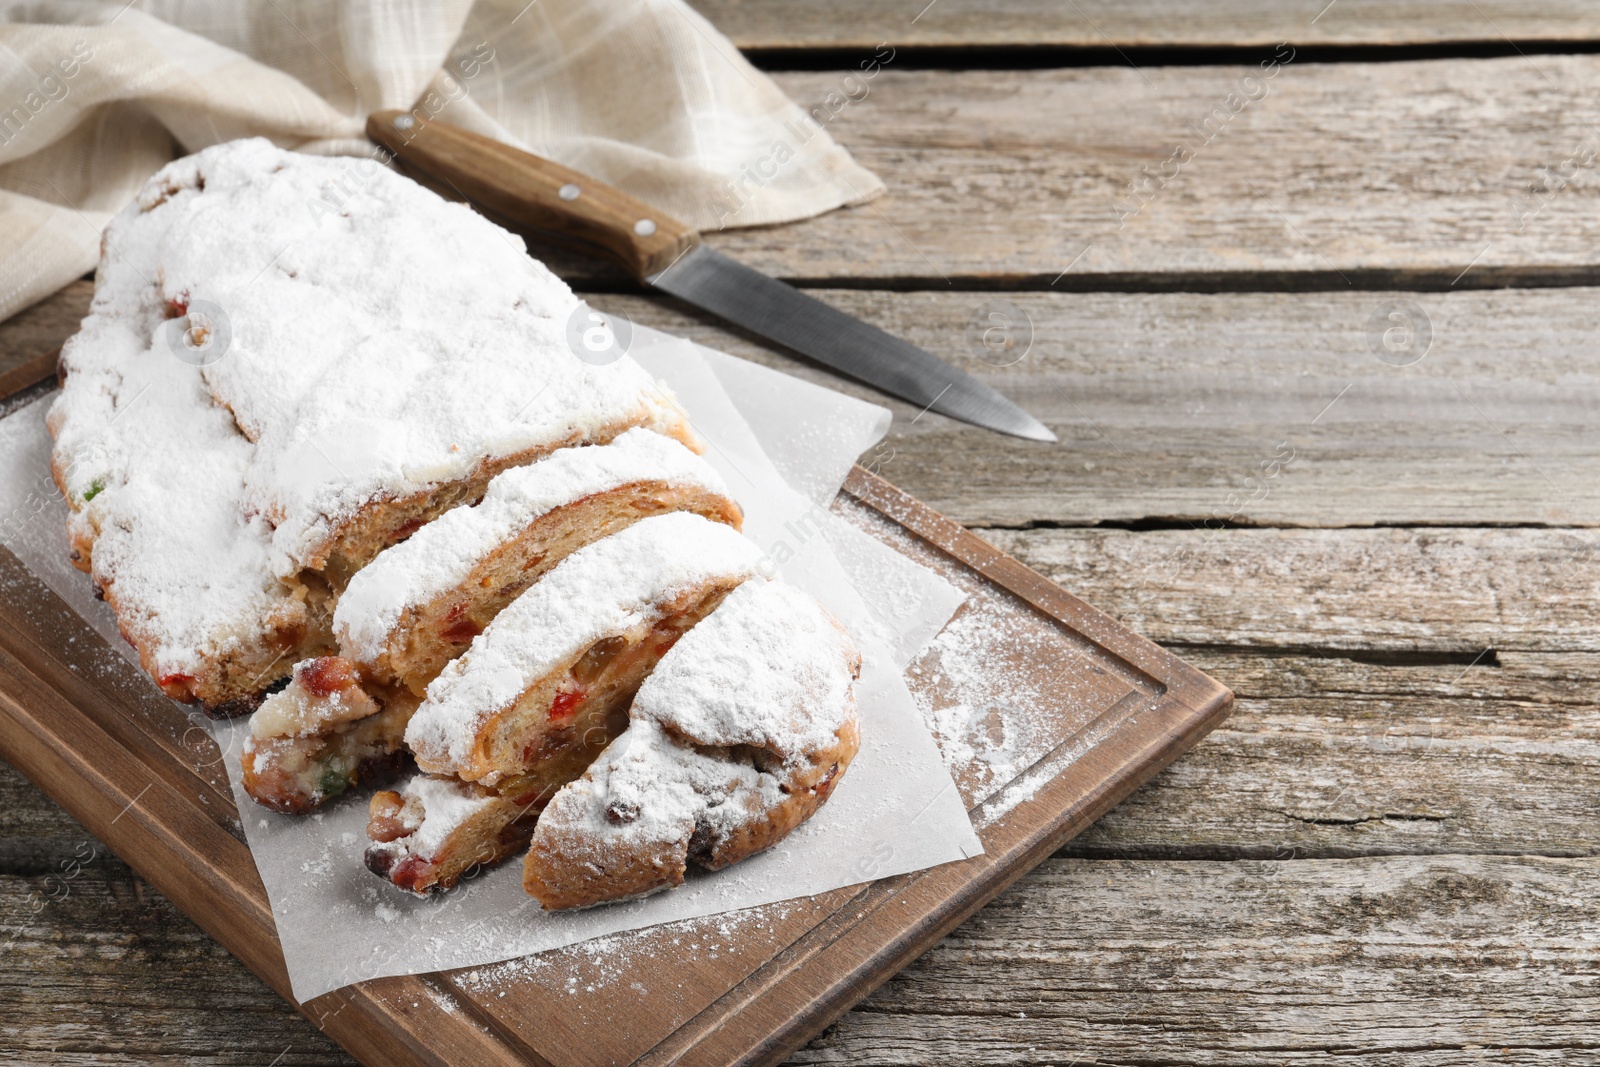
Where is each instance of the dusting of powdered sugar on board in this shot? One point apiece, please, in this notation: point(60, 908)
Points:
point(1010, 695)
point(603, 963)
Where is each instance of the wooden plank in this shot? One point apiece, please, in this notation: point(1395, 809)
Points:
point(1326, 757)
point(35, 833)
point(1386, 757)
point(29, 340)
point(1443, 594)
point(1383, 757)
point(1492, 425)
point(1400, 960)
point(1405, 961)
point(1339, 175)
point(765, 25)
point(28, 373)
point(1323, 757)
point(1453, 172)
point(102, 969)
point(36, 332)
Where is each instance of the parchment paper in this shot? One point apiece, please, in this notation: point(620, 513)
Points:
point(895, 811)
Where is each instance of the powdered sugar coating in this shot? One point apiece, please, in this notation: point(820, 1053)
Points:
point(383, 340)
point(604, 588)
point(666, 787)
point(768, 668)
point(155, 471)
point(443, 553)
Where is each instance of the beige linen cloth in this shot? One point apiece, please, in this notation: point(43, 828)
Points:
point(644, 94)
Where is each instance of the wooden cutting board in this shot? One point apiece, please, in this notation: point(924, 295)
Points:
point(1051, 712)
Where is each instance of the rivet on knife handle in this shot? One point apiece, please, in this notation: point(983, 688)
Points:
point(530, 191)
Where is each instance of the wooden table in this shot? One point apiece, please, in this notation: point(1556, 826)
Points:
point(1383, 544)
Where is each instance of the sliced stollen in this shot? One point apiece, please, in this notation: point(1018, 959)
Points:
point(738, 736)
point(419, 603)
point(434, 831)
point(323, 734)
point(546, 687)
point(372, 356)
point(544, 690)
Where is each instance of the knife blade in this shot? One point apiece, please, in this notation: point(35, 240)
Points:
point(535, 193)
point(725, 287)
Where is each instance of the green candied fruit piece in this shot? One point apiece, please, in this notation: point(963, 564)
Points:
point(333, 782)
point(96, 487)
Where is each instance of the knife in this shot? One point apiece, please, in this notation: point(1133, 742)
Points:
point(533, 193)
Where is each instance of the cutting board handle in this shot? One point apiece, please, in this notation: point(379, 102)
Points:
point(533, 192)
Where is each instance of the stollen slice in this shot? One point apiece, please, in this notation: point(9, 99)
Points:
point(434, 831)
point(548, 684)
point(323, 734)
point(740, 734)
point(420, 603)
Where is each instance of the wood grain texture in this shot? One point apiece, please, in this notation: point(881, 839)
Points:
point(1330, 877)
point(1412, 961)
point(1443, 592)
point(1492, 425)
point(1101, 24)
point(1416, 960)
point(29, 338)
point(512, 184)
point(41, 328)
point(1438, 174)
point(1338, 175)
point(1332, 757)
point(1175, 406)
point(1389, 758)
point(101, 969)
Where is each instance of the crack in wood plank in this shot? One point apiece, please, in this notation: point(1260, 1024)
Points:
point(1106, 25)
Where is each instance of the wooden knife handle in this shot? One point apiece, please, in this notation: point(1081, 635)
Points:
point(529, 191)
point(29, 372)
